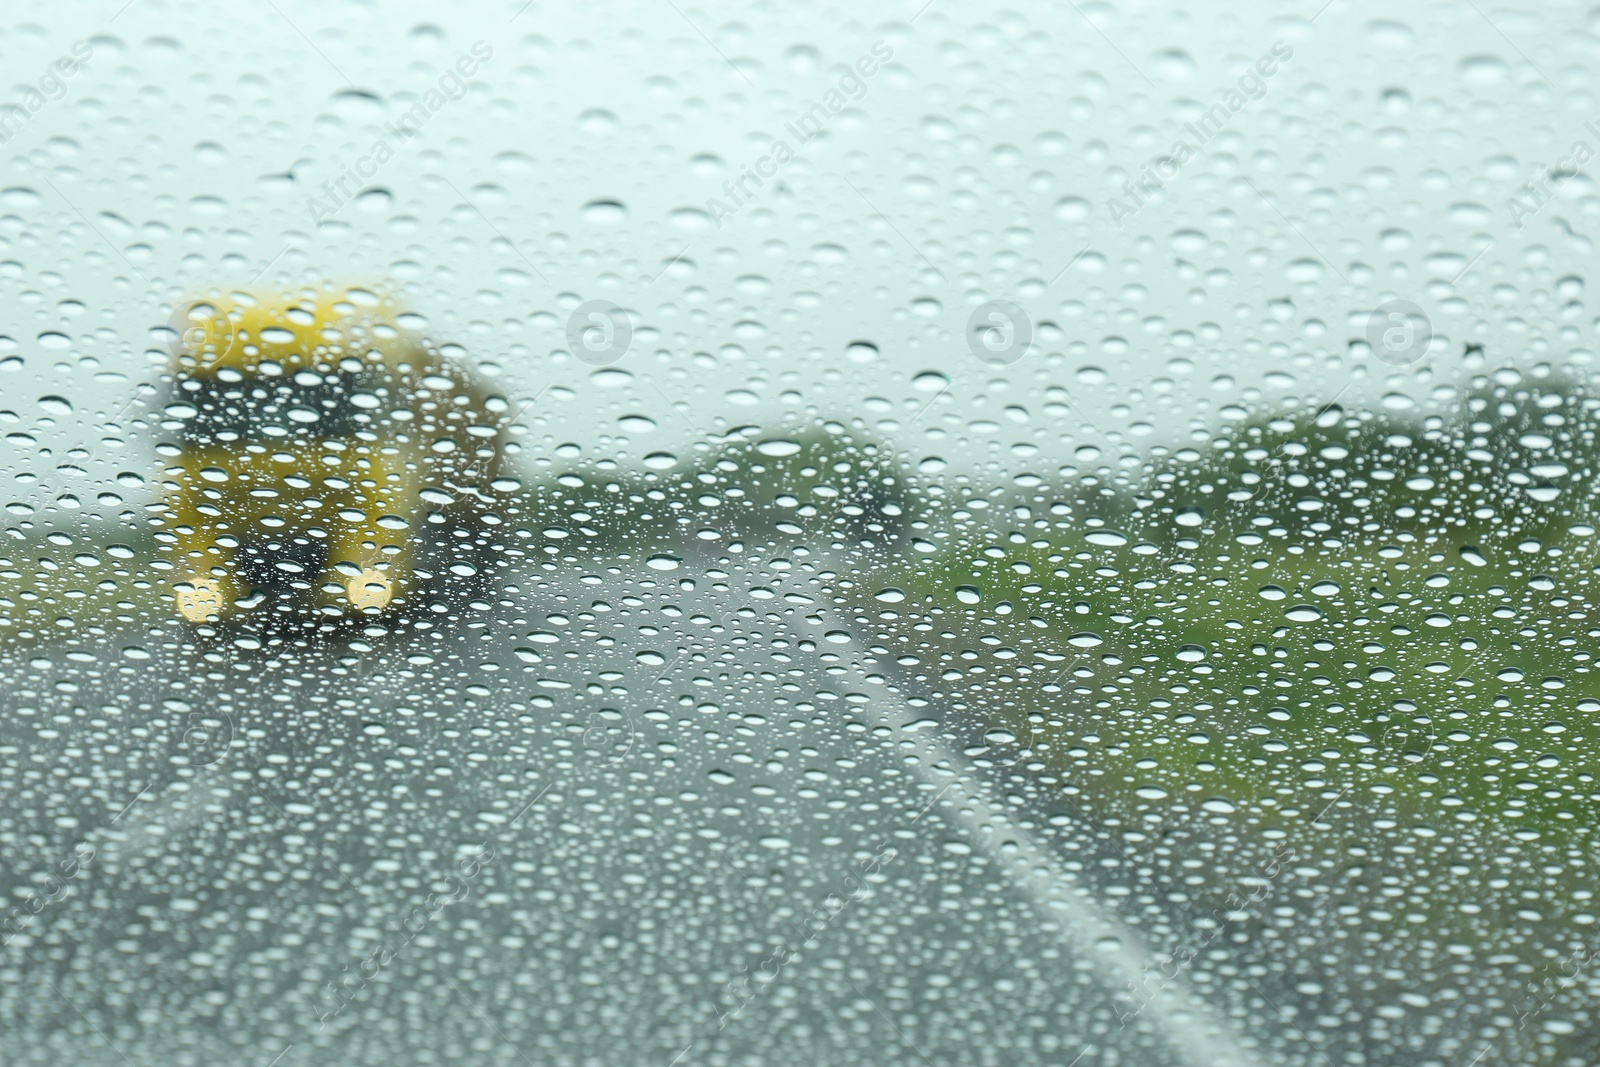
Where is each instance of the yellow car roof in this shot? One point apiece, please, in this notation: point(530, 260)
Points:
point(310, 328)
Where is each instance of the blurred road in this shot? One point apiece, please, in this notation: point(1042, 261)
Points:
point(719, 834)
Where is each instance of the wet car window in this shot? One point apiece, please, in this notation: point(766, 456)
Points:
point(667, 534)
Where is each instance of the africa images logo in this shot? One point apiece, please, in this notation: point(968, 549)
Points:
point(1250, 87)
point(851, 86)
point(453, 84)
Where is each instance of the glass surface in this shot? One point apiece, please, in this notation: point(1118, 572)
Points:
point(663, 534)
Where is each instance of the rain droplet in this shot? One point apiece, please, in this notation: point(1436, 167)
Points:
point(690, 220)
point(604, 212)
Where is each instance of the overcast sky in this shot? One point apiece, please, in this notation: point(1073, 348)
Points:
point(973, 156)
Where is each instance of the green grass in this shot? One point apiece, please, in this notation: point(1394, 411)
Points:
point(1369, 634)
point(90, 580)
point(1403, 608)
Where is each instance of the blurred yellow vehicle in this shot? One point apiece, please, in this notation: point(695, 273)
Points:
point(330, 461)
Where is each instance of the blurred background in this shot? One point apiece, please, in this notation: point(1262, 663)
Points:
point(909, 425)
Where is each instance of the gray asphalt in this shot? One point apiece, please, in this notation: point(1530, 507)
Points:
point(713, 838)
